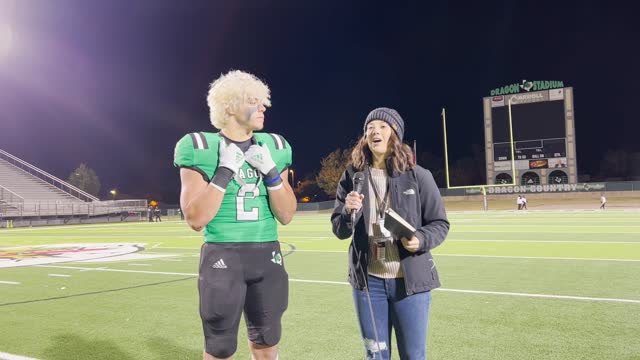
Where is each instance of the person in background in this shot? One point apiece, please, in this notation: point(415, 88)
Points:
point(157, 213)
point(603, 201)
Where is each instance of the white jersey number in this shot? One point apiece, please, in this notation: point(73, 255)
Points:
point(247, 191)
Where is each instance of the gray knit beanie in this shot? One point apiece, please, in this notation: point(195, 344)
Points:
point(389, 116)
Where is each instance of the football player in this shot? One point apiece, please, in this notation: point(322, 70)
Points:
point(235, 187)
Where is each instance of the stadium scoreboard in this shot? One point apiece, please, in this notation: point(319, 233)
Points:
point(543, 134)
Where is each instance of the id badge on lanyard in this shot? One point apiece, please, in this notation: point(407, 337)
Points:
point(380, 244)
point(379, 250)
point(386, 233)
point(381, 205)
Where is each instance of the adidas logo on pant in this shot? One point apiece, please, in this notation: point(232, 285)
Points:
point(219, 265)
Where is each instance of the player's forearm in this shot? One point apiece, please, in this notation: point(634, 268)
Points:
point(283, 203)
point(203, 207)
point(203, 201)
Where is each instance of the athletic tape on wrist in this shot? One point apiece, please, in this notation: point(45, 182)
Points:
point(275, 187)
point(272, 178)
point(217, 187)
point(221, 178)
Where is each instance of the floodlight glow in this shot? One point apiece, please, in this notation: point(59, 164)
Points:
point(6, 39)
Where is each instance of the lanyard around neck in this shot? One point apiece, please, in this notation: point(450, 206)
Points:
point(381, 203)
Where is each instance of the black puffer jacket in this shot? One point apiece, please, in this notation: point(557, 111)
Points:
point(415, 197)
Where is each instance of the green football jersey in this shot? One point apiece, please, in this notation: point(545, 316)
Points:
point(245, 214)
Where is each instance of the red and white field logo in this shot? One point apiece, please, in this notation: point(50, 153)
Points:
point(48, 254)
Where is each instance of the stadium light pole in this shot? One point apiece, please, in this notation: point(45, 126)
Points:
point(113, 193)
point(446, 152)
point(513, 155)
point(293, 179)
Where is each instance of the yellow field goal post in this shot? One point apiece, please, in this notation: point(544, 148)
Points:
point(484, 186)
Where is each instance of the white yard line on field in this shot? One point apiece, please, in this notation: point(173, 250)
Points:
point(324, 251)
point(549, 241)
point(538, 257)
point(6, 356)
point(521, 231)
point(544, 212)
point(178, 248)
point(9, 282)
point(302, 238)
point(22, 237)
point(483, 292)
point(494, 256)
point(115, 270)
point(81, 226)
point(316, 238)
point(306, 239)
point(551, 225)
point(504, 293)
point(544, 296)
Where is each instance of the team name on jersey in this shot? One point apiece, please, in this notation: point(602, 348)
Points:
point(249, 174)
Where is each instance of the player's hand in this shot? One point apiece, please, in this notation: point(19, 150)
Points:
point(260, 158)
point(411, 245)
point(353, 201)
point(231, 157)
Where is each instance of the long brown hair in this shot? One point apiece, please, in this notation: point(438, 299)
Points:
point(399, 159)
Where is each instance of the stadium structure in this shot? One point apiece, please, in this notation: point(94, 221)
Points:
point(30, 196)
point(543, 135)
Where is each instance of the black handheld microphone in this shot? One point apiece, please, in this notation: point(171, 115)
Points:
point(358, 179)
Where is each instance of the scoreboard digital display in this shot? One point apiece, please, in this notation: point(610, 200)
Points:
point(538, 130)
point(531, 149)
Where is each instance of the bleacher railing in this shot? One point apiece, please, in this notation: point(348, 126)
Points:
point(43, 175)
point(9, 196)
point(72, 208)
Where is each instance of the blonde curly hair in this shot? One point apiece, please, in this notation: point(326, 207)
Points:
point(230, 90)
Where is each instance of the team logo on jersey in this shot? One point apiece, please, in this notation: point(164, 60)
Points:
point(277, 258)
point(48, 254)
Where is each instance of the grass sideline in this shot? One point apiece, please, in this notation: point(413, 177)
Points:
point(516, 285)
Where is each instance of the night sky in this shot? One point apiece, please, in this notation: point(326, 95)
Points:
point(114, 84)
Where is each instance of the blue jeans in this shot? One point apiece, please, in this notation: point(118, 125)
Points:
point(392, 308)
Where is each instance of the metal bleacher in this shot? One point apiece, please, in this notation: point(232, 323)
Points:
point(27, 191)
point(28, 187)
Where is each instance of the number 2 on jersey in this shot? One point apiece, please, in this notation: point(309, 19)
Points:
point(247, 192)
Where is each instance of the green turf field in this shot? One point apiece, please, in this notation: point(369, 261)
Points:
point(516, 285)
